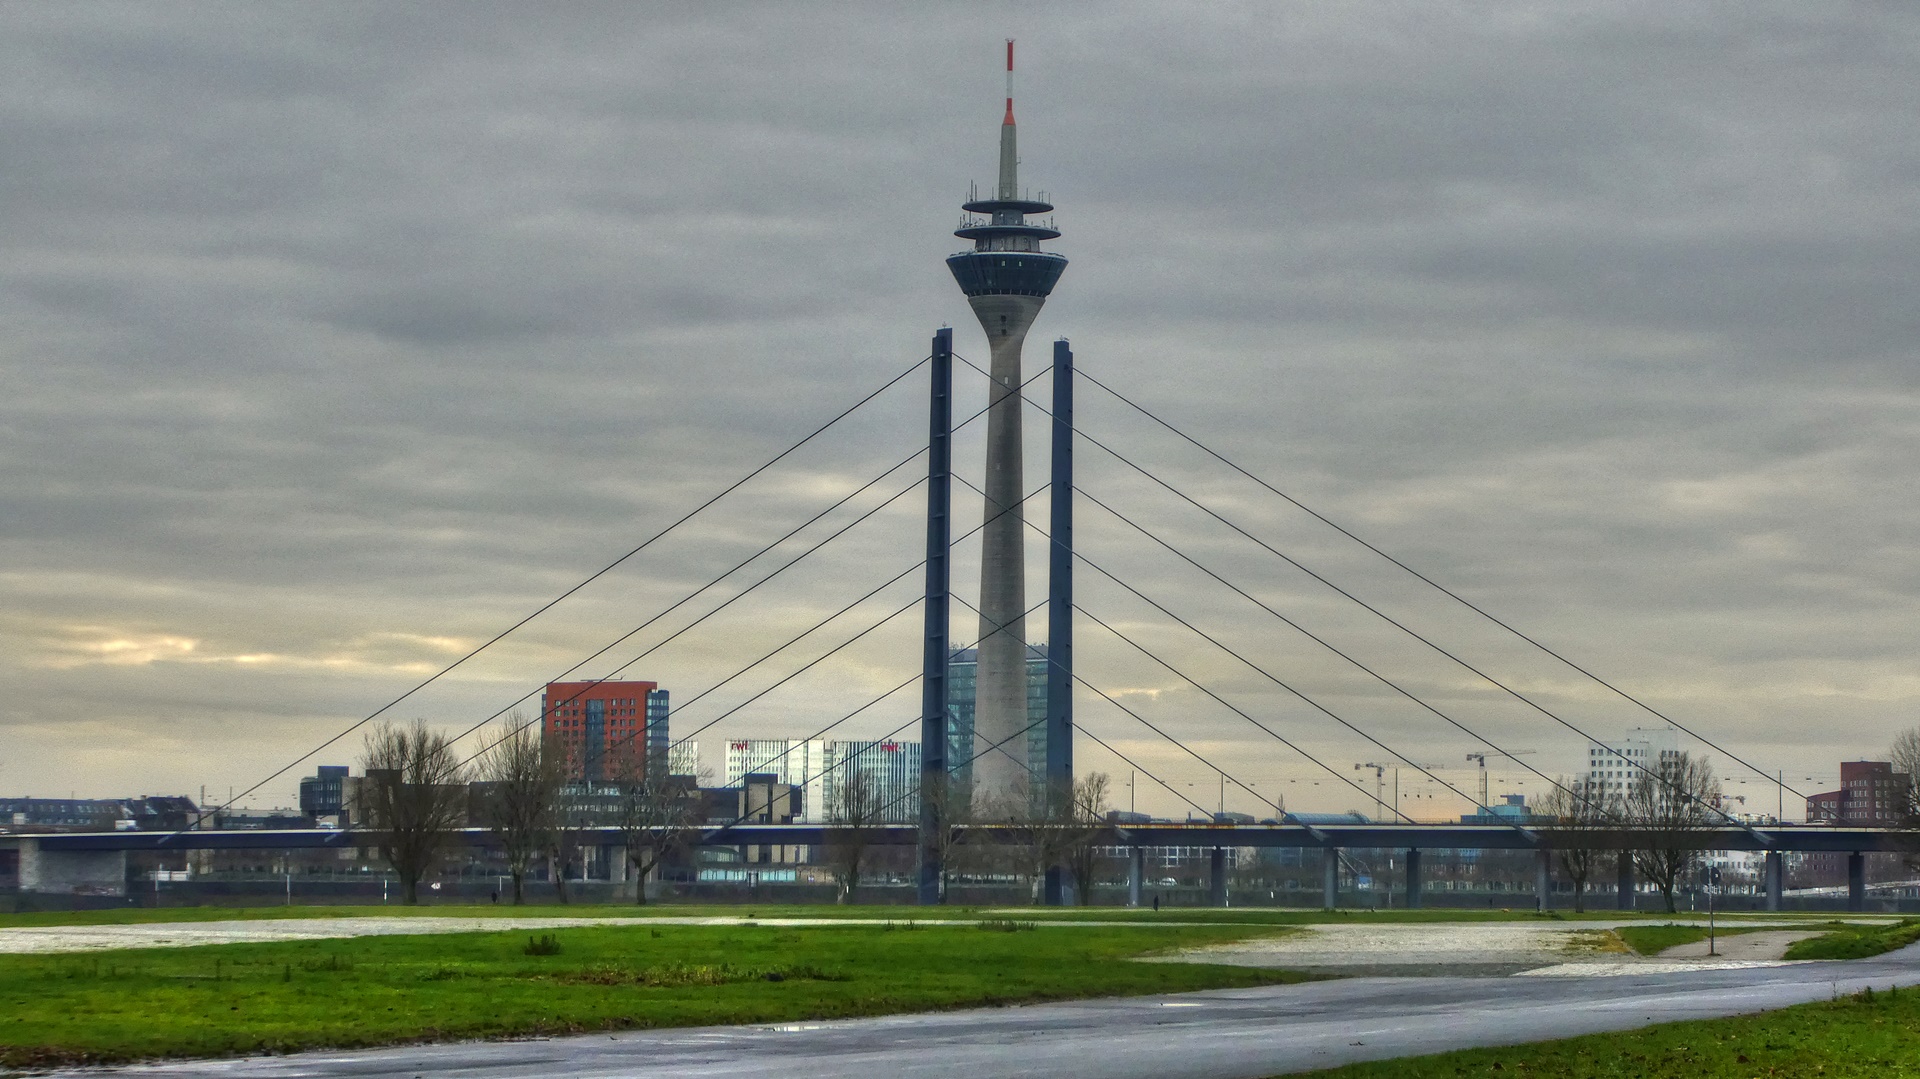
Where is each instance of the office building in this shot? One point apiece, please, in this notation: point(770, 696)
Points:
point(1871, 795)
point(608, 730)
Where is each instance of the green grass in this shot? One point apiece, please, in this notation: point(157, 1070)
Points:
point(253, 998)
point(1207, 915)
point(1856, 941)
point(1654, 939)
point(1871, 1036)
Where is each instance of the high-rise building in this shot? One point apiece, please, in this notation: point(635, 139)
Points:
point(1871, 795)
point(1030, 746)
point(1006, 278)
point(608, 730)
point(1614, 767)
point(817, 768)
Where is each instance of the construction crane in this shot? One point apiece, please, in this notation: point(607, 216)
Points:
point(1482, 758)
point(1379, 783)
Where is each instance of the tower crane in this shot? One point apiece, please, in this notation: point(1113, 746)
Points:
point(1482, 758)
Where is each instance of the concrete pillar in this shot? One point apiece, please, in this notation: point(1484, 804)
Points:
point(1856, 881)
point(1623, 880)
point(617, 863)
point(1330, 878)
point(1775, 873)
point(1543, 880)
point(1136, 874)
point(1413, 880)
point(1217, 865)
point(71, 872)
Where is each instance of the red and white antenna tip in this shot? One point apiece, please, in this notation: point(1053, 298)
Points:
point(1009, 118)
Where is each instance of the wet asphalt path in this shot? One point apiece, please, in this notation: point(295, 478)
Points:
point(1222, 1034)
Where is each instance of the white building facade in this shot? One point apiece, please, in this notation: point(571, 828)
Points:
point(817, 765)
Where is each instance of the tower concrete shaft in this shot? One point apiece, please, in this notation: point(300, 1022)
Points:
point(1006, 278)
point(1000, 774)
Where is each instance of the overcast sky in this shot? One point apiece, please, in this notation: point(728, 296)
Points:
point(338, 337)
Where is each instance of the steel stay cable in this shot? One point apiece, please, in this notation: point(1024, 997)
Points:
point(1329, 769)
point(1382, 679)
point(649, 651)
point(663, 642)
point(1663, 780)
point(550, 604)
point(1437, 586)
point(784, 754)
point(697, 731)
point(1150, 726)
point(1582, 794)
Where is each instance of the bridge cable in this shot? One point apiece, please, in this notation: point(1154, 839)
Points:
point(1329, 769)
point(1430, 582)
point(550, 604)
point(587, 686)
point(1283, 556)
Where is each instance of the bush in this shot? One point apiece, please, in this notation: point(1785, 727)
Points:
point(544, 944)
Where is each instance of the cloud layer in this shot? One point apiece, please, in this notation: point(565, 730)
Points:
point(339, 338)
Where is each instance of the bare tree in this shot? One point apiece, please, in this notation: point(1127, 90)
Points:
point(1088, 821)
point(414, 796)
point(660, 818)
point(856, 805)
point(952, 805)
point(521, 780)
point(1671, 806)
point(1905, 757)
point(1575, 811)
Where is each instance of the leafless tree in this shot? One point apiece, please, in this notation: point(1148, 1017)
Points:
point(952, 806)
point(521, 782)
point(1088, 821)
point(1672, 806)
point(1905, 757)
point(415, 796)
point(660, 818)
point(1574, 811)
point(856, 805)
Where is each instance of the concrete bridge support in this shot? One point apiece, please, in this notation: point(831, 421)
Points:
point(1217, 865)
point(1543, 880)
point(71, 872)
point(1774, 883)
point(1413, 880)
point(1623, 881)
point(1136, 874)
point(1330, 878)
point(1856, 881)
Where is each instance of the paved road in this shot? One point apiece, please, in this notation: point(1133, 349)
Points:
point(1225, 1034)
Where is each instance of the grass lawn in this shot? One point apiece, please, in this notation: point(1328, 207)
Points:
point(1856, 941)
point(1864, 1037)
point(1654, 939)
point(1211, 915)
point(251, 998)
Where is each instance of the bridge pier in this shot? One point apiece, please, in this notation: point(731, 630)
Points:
point(1136, 874)
point(1330, 878)
point(1856, 882)
point(71, 872)
point(1623, 881)
point(1217, 864)
point(1774, 883)
point(1543, 880)
point(1413, 879)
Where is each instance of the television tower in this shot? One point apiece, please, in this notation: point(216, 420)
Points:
point(1006, 278)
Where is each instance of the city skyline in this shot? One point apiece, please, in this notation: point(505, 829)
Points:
point(341, 339)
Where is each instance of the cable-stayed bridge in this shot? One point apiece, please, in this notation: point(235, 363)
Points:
point(924, 586)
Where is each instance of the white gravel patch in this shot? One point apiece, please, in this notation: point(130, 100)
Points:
point(1615, 968)
point(1407, 944)
point(87, 938)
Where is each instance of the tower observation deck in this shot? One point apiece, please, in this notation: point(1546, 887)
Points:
point(1006, 278)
